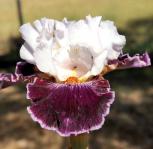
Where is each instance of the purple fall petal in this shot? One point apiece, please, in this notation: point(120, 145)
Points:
point(23, 73)
point(24, 69)
point(126, 61)
point(70, 109)
point(7, 80)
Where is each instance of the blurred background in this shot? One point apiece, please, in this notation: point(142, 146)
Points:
point(130, 123)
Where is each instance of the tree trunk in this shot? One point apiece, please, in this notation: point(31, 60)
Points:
point(19, 11)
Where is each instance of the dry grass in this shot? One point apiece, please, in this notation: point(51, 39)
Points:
point(118, 10)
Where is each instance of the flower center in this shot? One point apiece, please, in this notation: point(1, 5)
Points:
point(81, 60)
point(72, 80)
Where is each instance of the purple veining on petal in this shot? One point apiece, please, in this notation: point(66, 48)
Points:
point(70, 109)
point(22, 74)
point(126, 61)
point(36, 93)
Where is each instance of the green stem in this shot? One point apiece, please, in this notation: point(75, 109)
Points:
point(79, 142)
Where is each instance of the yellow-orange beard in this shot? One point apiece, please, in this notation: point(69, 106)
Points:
point(72, 80)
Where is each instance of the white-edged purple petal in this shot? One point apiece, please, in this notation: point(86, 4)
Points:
point(70, 109)
point(7, 79)
point(125, 61)
point(24, 69)
point(24, 73)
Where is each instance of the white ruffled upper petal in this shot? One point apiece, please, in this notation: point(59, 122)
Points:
point(71, 48)
point(61, 34)
point(62, 64)
point(79, 33)
point(38, 25)
point(110, 39)
point(48, 24)
point(93, 22)
point(99, 63)
point(30, 35)
point(27, 54)
point(43, 54)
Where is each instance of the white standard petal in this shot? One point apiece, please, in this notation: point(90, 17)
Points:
point(110, 39)
point(62, 74)
point(26, 53)
point(93, 24)
point(30, 35)
point(119, 42)
point(79, 33)
point(43, 58)
point(38, 25)
point(71, 48)
point(62, 64)
point(99, 63)
point(93, 21)
point(48, 24)
point(61, 34)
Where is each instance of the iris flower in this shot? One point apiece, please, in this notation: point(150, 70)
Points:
point(64, 68)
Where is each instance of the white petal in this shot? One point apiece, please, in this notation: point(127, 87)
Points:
point(61, 34)
point(62, 64)
point(62, 58)
point(119, 41)
point(48, 24)
point(93, 21)
point(63, 74)
point(30, 35)
point(38, 25)
point(93, 24)
point(99, 63)
point(110, 39)
point(81, 56)
point(117, 47)
point(59, 48)
point(43, 58)
point(26, 54)
point(65, 21)
point(42, 61)
point(108, 25)
point(79, 33)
